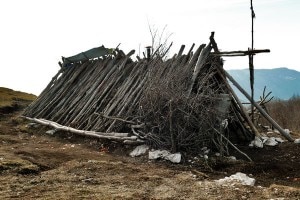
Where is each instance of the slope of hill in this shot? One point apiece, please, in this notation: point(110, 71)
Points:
point(10, 99)
point(282, 82)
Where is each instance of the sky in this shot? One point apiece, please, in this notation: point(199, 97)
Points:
point(34, 34)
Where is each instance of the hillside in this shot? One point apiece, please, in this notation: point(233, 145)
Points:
point(282, 82)
point(10, 99)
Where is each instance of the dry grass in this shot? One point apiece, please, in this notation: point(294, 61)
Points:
point(10, 97)
point(286, 113)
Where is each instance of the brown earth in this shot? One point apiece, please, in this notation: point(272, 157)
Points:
point(35, 165)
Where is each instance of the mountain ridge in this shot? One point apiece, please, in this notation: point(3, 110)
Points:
point(283, 82)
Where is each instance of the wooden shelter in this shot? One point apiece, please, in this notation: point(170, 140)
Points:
point(182, 103)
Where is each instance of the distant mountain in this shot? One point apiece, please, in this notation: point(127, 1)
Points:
point(282, 82)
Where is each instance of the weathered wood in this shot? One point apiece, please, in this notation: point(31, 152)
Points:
point(241, 53)
point(115, 85)
point(181, 50)
point(200, 63)
point(100, 135)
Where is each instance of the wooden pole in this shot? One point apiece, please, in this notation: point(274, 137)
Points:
point(241, 53)
point(251, 66)
point(100, 135)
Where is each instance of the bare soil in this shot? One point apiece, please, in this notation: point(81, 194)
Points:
point(35, 165)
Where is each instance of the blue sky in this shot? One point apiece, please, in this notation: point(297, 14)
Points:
point(35, 34)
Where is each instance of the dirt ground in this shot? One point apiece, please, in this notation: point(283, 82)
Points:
point(36, 165)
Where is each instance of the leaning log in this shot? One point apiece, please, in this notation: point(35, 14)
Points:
point(261, 110)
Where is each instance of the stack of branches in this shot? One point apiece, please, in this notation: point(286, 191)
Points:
point(182, 104)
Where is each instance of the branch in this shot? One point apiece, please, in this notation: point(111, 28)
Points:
point(237, 149)
point(100, 135)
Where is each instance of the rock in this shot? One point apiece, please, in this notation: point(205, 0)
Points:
point(153, 155)
point(257, 142)
point(139, 150)
point(278, 139)
point(232, 158)
point(32, 125)
point(297, 141)
point(51, 132)
point(271, 142)
point(264, 139)
point(287, 131)
point(164, 154)
point(174, 158)
point(238, 177)
point(217, 154)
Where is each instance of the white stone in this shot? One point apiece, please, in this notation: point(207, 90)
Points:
point(164, 154)
point(158, 154)
point(32, 125)
point(217, 154)
point(139, 150)
point(232, 157)
point(271, 142)
point(278, 139)
point(264, 139)
point(51, 132)
point(257, 142)
point(174, 158)
point(238, 177)
point(297, 141)
point(267, 127)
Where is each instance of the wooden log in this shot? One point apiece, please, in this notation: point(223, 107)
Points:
point(200, 63)
point(191, 49)
point(181, 50)
point(100, 135)
point(241, 53)
point(128, 101)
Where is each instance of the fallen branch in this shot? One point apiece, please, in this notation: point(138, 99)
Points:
point(101, 135)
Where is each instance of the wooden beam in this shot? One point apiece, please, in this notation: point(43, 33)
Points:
point(241, 53)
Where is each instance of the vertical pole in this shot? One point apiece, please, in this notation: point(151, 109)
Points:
point(251, 66)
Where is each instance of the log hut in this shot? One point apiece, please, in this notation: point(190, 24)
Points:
point(182, 103)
